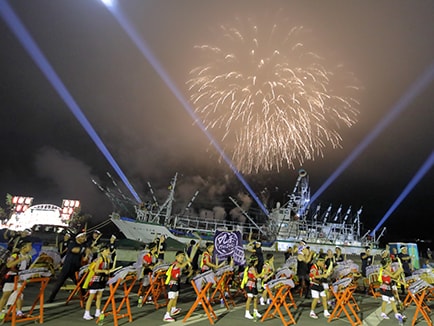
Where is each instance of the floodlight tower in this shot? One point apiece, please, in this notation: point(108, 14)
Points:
point(21, 204)
point(69, 207)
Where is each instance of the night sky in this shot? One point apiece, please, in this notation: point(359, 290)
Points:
point(46, 154)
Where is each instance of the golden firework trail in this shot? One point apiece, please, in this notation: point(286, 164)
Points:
point(274, 100)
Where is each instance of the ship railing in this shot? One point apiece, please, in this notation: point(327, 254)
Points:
point(144, 215)
point(209, 225)
point(314, 231)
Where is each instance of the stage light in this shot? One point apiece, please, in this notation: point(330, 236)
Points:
point(68, 208)
point(21, 203)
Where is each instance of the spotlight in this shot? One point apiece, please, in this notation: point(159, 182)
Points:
point(21, 204)
point(68, 208)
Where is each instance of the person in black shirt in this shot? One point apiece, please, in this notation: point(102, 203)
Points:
point(256, 249)
point(367, 260)
point(407, 266)
point(304, 258)
point(112, 246)
point(288, 253)
point(63, 245)
point(339, 257)
point(162, 246)
point(73, 260)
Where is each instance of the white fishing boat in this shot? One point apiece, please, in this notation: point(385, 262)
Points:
point(285, 226)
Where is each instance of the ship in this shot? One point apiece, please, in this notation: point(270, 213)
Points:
point(285, 226)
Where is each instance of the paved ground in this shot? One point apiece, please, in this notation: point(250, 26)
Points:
point(59, 313)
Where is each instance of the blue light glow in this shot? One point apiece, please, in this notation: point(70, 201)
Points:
point(26, 40)
point(144, 49)
point(419, 175)
point(416, 88)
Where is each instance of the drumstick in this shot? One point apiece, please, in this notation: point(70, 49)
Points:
point(34, 263)
point(329, 269)
point(115, 269)
point(96, 240)
point(114, 261)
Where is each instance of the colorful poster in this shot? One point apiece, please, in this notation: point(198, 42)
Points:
point(229, 244)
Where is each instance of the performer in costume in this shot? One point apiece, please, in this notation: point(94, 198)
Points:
point(149, 261)
point(98, 277)
point(207, 258)
point(16, 262)
point(388, 279)
point(173, 282)
point(267, 275)
point(249, 282)
point(318, 276)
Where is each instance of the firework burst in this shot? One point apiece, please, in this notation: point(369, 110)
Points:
point(274, 100)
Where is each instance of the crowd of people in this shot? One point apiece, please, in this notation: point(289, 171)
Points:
point(312, 272)
point(75, 251)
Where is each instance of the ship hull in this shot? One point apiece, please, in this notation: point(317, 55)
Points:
point(148, 232)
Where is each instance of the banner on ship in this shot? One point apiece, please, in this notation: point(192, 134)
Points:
point(229, 244)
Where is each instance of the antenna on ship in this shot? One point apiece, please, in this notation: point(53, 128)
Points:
point(165, 211)
point(318, 208)
point(381, 234)
point(357, 221)
point(247, 216)
point(153, 195)
point(327, 213)
point(337, 215)
point(119, 201)
point(365, 235)
point(347, 214)
point(187, 208)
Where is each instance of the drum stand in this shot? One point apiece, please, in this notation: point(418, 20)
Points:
point(222, 287)
point(157, 287)
point(77, 292)
point(202, 299)
point(420, 296)
point(11, 314)
point(277, 300)
point(346, 303)
point(127, 283)
point(374, 285)
point(236, 286)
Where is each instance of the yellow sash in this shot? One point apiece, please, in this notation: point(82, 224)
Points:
point(90, 274)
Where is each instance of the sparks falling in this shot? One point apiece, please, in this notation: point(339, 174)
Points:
point(273, 98)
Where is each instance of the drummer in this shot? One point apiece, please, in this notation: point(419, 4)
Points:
point(149, 261)
point(173, 281)
point(249, 283)
point(388, 285)
point(267, 274)
point(318, 275)
point(18, 261)
point(207, 262)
